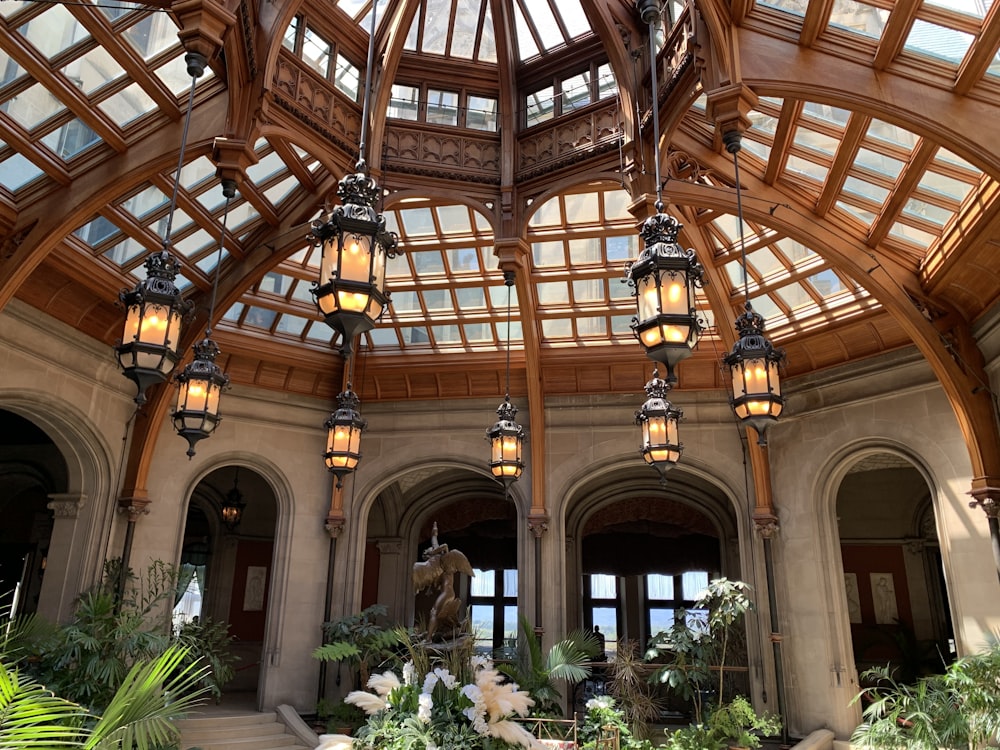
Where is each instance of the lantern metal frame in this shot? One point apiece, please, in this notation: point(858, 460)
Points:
point(344, 429)
point(350, 292)
point(754, 362)
point(664, 280)
point(661, 446)
point(155, 304)
point(233, 505)
point(149, 348)
point(665, 276)
point(506, 436)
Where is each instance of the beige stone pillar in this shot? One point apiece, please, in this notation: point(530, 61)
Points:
point(392, 577)
point(64, 563)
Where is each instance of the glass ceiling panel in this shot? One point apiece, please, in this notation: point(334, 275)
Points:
point(974, 8)
point(938, 41)
point(858, 17)
point(16, 171)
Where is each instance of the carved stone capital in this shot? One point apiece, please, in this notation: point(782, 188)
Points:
point(986, 494)
point(538, 524)
point(134, 506)
point(335, 524)
point(914, 546)
point(66, 505)
point(766, 526)
point(390, 546)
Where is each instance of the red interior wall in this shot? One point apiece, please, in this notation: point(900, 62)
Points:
point(864, 559)
point(249, 626)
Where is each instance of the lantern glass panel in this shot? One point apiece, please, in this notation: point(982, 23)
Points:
point(378, 269)
point(327, 303)
point(647, 293)
point(673, 294)
point(331, 259)
point(352, 301)
point(675, 334)
point(356, 259)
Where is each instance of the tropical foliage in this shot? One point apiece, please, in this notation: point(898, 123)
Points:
point(538, 674)
point(87, 659)
point(360, 640)
point(603, 714)
point(141, 714)
point(958, 709)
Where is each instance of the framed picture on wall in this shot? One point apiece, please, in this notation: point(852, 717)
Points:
point(253, 594)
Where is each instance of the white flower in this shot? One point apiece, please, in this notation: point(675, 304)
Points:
point(601, 701)
point(446, 677)
point(409, 673)
point(478, 661)
point(370, 704)
point(429, 682)
point(424, 705)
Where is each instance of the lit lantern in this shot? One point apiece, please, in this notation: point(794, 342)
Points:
point(234, 504)
point(199, 386)
point(343, 441)
point(351, 292)
point(658, 419)
point(664, 279)
point(753, 365)
point(148, 350)
point(506, 442)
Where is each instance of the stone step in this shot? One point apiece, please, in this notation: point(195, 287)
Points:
point(244, 731)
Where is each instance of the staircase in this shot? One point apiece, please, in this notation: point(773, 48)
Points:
point(244, 731)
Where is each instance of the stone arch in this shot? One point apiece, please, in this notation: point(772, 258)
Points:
point(83, 536)
point(281, 572)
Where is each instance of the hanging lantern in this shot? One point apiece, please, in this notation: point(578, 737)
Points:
point(664, 279)
point(753, 365)
point(148, 350)
point(196, 411)
point(658, 418)
point(355, 245)
point(233, 504)
point(343, 441)
point(506, 442)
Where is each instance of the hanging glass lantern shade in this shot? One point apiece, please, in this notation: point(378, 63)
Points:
point(148, 350)
point(753, 365)
point(658, 419)
point(506, 443)
point(199, 386)
point(664, 279)
point(233, 504)
point(343, 441)
point(351, 292)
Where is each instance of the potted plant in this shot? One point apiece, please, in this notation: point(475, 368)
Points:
point(736, 724)
point(361, 640)
point(339, 717)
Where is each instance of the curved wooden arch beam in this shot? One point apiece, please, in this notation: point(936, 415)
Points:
point(619, 33)
point(896, 288)
point(48, 217)
point(513, 256)
point(777, 67)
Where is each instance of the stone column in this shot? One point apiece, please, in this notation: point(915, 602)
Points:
point(393, 576)
point(64, 563)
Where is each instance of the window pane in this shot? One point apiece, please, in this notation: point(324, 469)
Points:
point(316, 52)
point(442, 107)
point(481, 113)
point(405, 102)
point(659, 586)
point(660, 620)
point(482, 583)
point(510, 583)
point(603, 586)
point(693, 583)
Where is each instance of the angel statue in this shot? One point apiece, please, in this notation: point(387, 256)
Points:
point(437, 572)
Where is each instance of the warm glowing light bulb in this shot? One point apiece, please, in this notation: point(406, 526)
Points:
point(674, 293)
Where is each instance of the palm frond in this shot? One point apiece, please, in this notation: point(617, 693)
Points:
point(31, 717)
point(143, 711)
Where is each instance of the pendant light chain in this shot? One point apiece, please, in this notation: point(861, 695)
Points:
point(196, 67)
point(369, 65)
point(508, 280)
point(228, 190)
point(734, 147)
point(656, 110)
